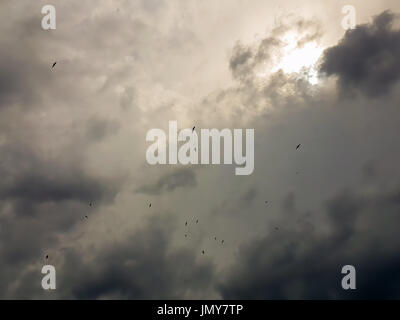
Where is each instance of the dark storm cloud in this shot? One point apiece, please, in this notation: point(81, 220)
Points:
point(44, 190)
point(300, 261)
point(9, 86)
point(46, 186)
point(45, 138)
point(248, 197)
point(41, 199)
point(29, 87)
point(27, 177)
point(179, 178)
point(367, 58)
point(51, 170)
point(97, 128)
point(370, 170)
point(34, 213)
point(289, 202)
point(17, 85)
point(24, 77)
point(142, 266)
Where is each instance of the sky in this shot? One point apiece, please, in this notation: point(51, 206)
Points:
point(75, 185)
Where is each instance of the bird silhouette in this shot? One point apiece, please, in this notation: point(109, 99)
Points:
point(47, 256)
point(197, 221)
point(186, 223)
point(193, 128)
point(150, 205)
point(298, 146)
point(54, 64)
point(203, 252)
point(86, 217)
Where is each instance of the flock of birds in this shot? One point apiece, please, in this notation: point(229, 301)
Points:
point(215, 238)
point(197, 220)
point(186, 223)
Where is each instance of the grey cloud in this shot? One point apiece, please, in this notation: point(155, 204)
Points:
point(289, 202)
point(18, 86)
point(127, 97)
point(245, 61)
point(41, 187)
point(145, 267)
point(171, 181)
point(142, 266)
point(53, 166)
point(97, 129)
point(366, 59)
point(153, 5)
point(370, 170)
point(253, 92)
point(248, 197)
point(30, 178)
point(241, 61)
point(299, 261)
point(41, 199)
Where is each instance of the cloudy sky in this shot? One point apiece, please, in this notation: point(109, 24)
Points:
point(73, 144)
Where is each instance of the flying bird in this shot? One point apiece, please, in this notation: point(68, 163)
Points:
point(86, 217)
point(54, 64)
point(215, 238)
point(222, 241)
point(90, 204)
point(47, 256)
point(186, 223)
point(193, 128)
point(298, 146)
point(197, 221)
point(150, 205)
point(203, 252)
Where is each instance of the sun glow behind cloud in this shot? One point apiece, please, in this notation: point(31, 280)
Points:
point(302, 59)
point(296, 58)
